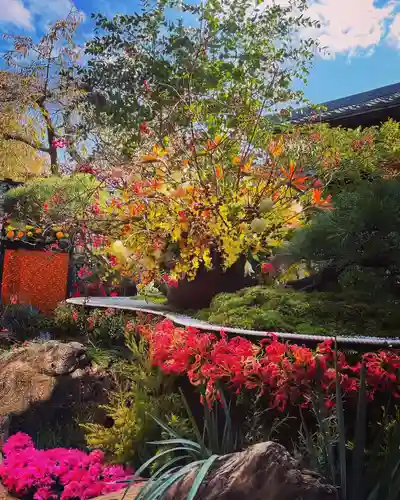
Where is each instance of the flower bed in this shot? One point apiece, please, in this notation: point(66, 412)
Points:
point(284, 373)
point(57, 473)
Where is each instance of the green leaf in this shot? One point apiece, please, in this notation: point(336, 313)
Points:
point(204, 469)
point(177, 441)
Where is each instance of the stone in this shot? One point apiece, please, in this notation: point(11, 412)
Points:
point(44, 383)
point(265, 471)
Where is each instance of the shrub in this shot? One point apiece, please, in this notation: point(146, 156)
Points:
point(284, 310)
point(24, 321)
point(142, 391)
point(103, 327)
point(361, 237)
point(57, 473)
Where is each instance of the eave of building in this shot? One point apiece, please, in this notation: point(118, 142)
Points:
point(364, 109)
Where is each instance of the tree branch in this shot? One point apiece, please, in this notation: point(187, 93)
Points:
point(19, 138)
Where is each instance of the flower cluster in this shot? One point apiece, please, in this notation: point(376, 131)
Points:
point(285, 373)
point(57, 473)
point(59, 143)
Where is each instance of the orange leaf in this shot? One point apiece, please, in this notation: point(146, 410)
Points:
point(318, 201)
point(219, 173)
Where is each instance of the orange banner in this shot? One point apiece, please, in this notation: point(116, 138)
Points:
point(34, 277)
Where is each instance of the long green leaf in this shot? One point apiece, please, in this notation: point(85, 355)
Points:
point(166, 427)
point(342, 433)
point(182, 441)
point(357, 483)
point(196, 430)
point(153, 459)
point(161, 485)
point(204, 469)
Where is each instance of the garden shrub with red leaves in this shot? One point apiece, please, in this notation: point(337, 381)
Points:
point(57, 473)
point(284, 373)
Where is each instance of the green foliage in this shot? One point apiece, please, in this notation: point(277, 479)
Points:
point(284, 310)
point(102, 327)
point(24, 321)
point(66, 197)
point(198, 455)
point(360, 457)
point(349, 155)
point(175, 60)
point(142, 391)
point(361, 237)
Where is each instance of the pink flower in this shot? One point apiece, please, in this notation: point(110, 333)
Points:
point(114, 293)
point(59, 143)
point(84, 273)
point(130, 326)
point(75, 316)
point(49, 474)
point(112, 260)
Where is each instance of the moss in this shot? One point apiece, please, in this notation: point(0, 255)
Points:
point(271, 309)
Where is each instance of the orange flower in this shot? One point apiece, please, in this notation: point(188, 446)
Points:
point(59, 234)
point(20, 234)
point(38, 231)
point(185, 163)
point(276, 147)
point(156, 184)
point(318, 201)
point(212, 144)
point(10, 234)
point(237, 160)
point(295, 180)
point(219, 173)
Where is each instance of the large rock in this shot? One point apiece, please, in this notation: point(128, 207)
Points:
point(265, 471)
point(43, 383)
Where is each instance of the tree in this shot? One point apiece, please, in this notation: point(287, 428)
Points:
point(41, 81)
point(18, 160)
point(232, 66)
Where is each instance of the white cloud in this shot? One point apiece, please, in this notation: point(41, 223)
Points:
point(394, 33)
point(49, 11)
point(14, 12)
point(351, 26)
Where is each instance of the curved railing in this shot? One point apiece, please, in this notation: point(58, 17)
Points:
point(129, 304)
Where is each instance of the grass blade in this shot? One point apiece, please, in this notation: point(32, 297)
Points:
point(182, 441)
point(153, 459)
point(204, 469)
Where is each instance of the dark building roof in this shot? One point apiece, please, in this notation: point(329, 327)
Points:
point(365, 109)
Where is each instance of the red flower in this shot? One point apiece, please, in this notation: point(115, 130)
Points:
point(144, 128)
point(267, 268)
point(45, 207)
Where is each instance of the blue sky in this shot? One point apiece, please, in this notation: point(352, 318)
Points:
point(362, 37)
